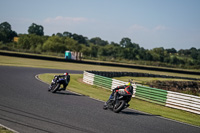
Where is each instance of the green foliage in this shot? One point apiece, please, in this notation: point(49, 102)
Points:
point(96, 48)
point(98, 41)
point(4, 130)
point(93, 50)
point(85, 50)
point(36, 29)
point(54, 44)
point(6, 33)
point(32, 42)
point(81, 39)
point(72, 45)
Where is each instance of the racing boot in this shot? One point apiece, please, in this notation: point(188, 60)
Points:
point(105, 106)
point(49, 89)
point(127, 105)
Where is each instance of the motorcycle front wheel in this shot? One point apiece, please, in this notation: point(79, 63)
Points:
point(55, 88)
point(119, 106)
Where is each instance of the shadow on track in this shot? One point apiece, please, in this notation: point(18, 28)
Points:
point(67, 93)
point(136, 113)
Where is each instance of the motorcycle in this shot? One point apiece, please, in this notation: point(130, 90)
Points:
point(55, 84)
point(120, 103)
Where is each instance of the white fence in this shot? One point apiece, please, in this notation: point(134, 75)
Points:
point(171, 99)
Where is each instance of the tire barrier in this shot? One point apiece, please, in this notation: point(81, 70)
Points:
point(171, 99)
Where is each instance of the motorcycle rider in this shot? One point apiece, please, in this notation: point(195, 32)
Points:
point(65, 81)
point(125, 90)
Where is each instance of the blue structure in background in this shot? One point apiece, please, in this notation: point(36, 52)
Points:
point(68, 55)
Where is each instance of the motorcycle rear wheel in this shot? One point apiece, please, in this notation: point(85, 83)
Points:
point(119, 107)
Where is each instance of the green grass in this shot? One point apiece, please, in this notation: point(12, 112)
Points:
point(76, 85)
point(4, 130)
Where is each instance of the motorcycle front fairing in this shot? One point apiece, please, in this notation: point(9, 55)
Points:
point(61, 81)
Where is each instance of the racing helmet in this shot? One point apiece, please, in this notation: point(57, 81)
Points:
point(66, 73)
point(129, 83)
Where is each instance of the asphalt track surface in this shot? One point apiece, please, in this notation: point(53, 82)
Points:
point(27, 107)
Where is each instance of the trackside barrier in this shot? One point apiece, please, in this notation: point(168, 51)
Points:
point(183, 101)
point(171, 99)
point(88, 78)
point(116, 83)
point(101, 81)
point(151, 94)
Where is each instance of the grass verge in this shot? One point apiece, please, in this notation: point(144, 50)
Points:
point(4, 130)
point(76, 85)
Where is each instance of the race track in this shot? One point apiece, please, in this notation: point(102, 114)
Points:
point(27, 107)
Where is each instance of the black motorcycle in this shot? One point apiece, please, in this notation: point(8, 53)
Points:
point(55, 84)
point(120, 103)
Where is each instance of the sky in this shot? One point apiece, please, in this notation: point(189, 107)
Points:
point(149, 23)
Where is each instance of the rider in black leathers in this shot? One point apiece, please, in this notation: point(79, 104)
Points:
point(125, 90)
point(64, 82)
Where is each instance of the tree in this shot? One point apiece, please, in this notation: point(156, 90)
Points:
point(72, 44)
point(158, 54)
point(36, 29)
point(194, 53)
point(185, 52)
point(80, 38)
point(54, 44)
point(114, 44)
point(98, 41)
point(174, 60)
point(172, 50)
point(85, 50)
point(111, 50)
point(142, 53)
point(148, 56)
point(59, 34)
point(31, 41)
point(67, 34)
point(116, 50)
point(102, 51)
point(125, 42)
point(94, 50)
point(6, 33)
